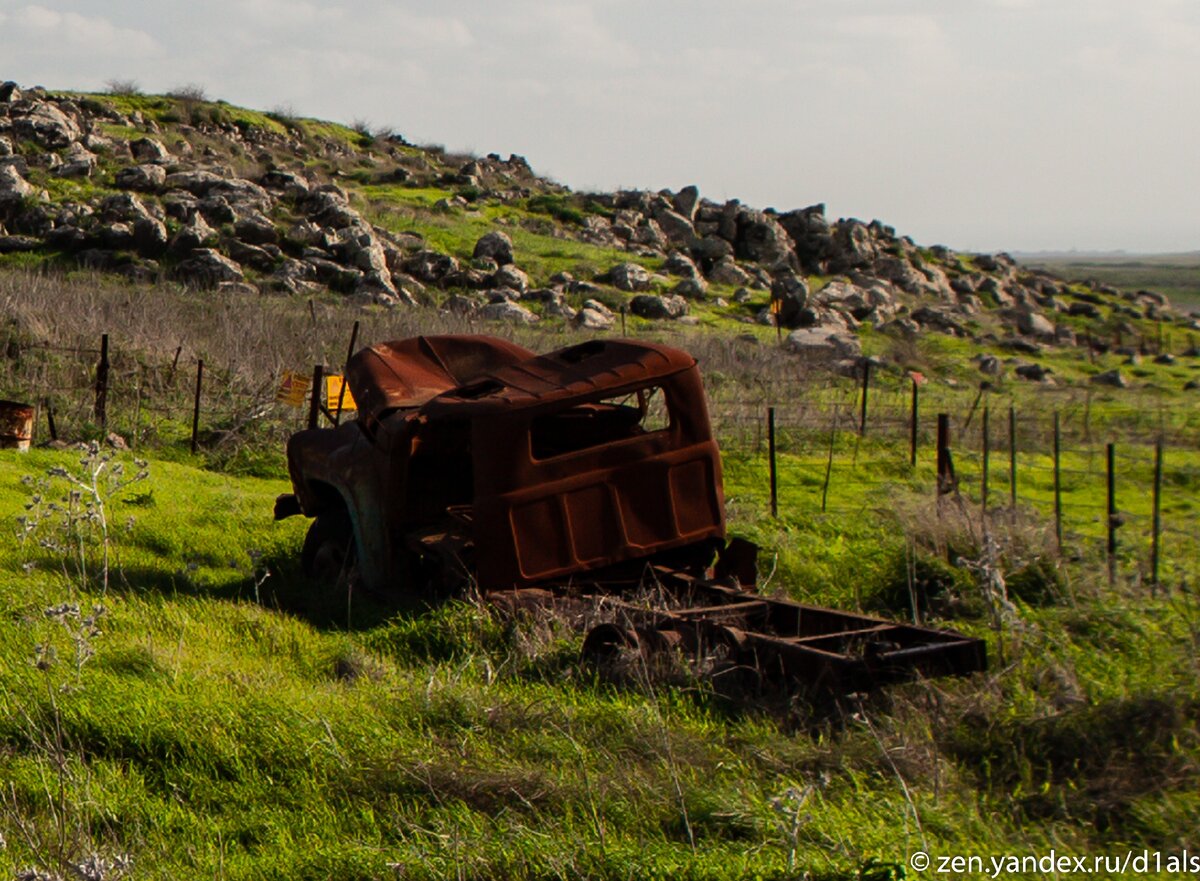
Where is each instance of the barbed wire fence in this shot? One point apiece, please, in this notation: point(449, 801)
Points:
point(1106, 477)
point(1112, 475)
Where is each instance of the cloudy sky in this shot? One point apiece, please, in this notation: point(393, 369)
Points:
point(979, 124)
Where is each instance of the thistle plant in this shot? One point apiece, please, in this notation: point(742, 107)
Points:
point(69, 518)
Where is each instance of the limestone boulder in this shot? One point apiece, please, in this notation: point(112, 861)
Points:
point(45, 125)
point(149, 150)
point(629, 277)
point(143, 178)
point(510, 276)
point(508, 311)
point(495, 245)
point(823, 344)
point(207, 267)
point(658, 307)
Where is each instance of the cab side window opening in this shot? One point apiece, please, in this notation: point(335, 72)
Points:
point(599, 422)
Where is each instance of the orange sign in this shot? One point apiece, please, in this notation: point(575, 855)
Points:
point(334, 386)
point(293, 391)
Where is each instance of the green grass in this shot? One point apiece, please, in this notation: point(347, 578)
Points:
point(455, 232)
point(232, 724)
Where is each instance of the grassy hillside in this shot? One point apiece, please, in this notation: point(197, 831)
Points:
point(216, 718)
point(1176, 275)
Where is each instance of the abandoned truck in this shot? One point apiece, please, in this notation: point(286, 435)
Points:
point(570, 478)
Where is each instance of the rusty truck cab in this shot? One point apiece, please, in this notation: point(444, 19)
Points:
point(531, 467)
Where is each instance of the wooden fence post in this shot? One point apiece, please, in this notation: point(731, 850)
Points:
point(829, 461)
point(1112, 516)
point(866, 384)
point(337, 414)
point(196, 404)
point(101, 408)
point(946, 481)
point(1012, 458)
point(174, 366)
point(771, 459)
point(912, 439)
point(1058, 481)
point(314, 406)
point(987, 446)
point(50, 420)
point(1157, 528)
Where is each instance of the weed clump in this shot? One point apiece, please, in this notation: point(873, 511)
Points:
point(915, 586)
point(1038, 583)
point(1090, 763)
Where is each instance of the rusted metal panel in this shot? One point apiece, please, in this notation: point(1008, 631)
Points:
point(408, 373)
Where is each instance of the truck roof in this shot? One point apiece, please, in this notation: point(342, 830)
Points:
point(469, 375)
point(407, 373)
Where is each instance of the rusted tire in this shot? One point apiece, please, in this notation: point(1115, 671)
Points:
point(329, 556)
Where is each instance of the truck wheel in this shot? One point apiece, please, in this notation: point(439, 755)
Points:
point(329, 556)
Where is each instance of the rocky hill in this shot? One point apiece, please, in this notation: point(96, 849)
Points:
point(182, 189)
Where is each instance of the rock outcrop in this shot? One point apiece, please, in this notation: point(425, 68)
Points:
point(211, 199)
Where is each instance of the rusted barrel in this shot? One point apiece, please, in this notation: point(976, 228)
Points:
point(16, 425)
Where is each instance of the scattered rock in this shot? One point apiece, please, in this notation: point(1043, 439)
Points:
point(1035, 324)
point(13, 244)
point(629, 277)
point(13, 187)
point(726, 271)
point(496, 246)
point(430, 266)
point(791, 292)
point(933, 318)
point(1111, 378)
point(1019, 344)
point(685, 202)
point(45, 125)
point(510, 276)
point(990, 365)
point(822, 344)
point(150, 236)
point(80, 162)
point(208, 268)
point(677, 228)
point(258, 259)
point(691, 288)
point(1033, 372)
point(681, 265)
point(197, 234)
point(761, 238)
point(143, 178)
point(590, 318)
point(658, 307)
point(256, 229)
point(507, 311)
point(149, 150)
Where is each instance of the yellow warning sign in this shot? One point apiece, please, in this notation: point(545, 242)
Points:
point(334, 385)
point(293, 391)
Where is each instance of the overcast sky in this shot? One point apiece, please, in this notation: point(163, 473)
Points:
point(979, 124)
